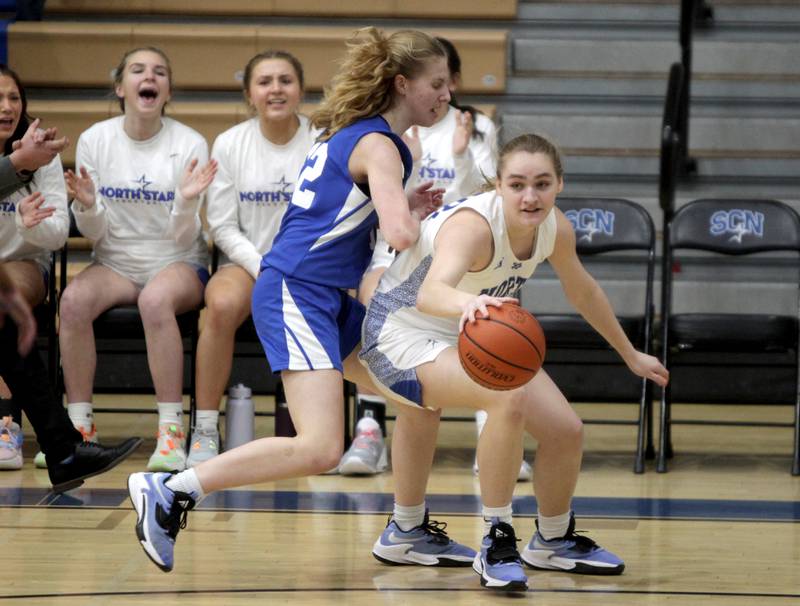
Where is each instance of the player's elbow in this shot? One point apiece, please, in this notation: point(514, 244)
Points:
point(401, 237)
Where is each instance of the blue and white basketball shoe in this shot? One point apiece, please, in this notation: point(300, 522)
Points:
point(161, 513)
point(423, 545)
point(498, 563)
point(571, 553)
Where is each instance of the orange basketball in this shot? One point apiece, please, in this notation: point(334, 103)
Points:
point(503, 351)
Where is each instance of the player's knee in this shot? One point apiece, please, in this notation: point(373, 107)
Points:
point(570, 432)
point(74, 308)
point(514, 409)
point(223, 309)
point(154, 307)
point(324, 454)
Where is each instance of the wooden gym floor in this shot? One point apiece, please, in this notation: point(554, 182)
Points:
point(722, 527)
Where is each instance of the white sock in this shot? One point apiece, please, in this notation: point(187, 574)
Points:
point(206, 420)
point(367, 424)
point(170, 413)
point(186, 481)
point(81, 415)
point(501, 513)
point(480, 420)
point(553, 527)
point(407, 518)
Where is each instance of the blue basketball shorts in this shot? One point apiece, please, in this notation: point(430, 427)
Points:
point(302, 325)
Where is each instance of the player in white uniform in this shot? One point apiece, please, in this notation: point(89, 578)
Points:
point(458, 152)
point(33, 221)
point(472, 254)
point(257, 166)
point(136, 194)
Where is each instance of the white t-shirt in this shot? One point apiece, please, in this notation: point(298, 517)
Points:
point(140, 222)
point(254, 184)
point(463, 175)
point(17, 242)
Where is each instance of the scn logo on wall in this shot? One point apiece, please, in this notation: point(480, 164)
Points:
point(738, 222)
point(590, 221)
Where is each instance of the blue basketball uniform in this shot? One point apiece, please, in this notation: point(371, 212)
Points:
point(304, 317)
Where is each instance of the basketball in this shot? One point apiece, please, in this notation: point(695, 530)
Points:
point(503, 351)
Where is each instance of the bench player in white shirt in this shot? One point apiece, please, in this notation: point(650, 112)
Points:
point(138, 187)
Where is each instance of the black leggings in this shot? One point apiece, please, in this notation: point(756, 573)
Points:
point(29, 383)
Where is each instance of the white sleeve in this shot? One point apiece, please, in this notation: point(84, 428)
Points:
point(92, 222)
point(222, 213)
point(52, 232)
point(184, 221)
point(477, 163)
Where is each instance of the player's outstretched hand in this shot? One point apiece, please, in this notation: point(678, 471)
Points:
point(649, 367)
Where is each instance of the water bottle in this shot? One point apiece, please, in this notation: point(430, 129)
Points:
point(283, 420)
point(239, 417)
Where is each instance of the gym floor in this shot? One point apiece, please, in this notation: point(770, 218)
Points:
point(722, 527)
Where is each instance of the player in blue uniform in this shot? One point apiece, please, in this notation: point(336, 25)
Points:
point(352, 180)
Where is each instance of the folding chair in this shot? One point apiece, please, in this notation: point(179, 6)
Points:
point(730, 345)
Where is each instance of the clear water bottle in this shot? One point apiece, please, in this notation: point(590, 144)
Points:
point(239, 417)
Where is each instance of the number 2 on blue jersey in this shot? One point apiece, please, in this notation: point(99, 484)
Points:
point(315, 163)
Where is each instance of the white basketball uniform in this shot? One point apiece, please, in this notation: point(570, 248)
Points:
point(397, 337)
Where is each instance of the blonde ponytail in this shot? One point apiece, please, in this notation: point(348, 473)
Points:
point(364, 85)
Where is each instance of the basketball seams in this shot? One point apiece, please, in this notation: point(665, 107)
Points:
point(494, 355)
point(519, 332)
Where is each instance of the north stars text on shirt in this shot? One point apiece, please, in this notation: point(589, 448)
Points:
point(429, 170)
point(137, 195)
point(280, 194)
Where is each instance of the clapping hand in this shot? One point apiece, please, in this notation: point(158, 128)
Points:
point(424, 200)
point(80, 188)
point(196, 180)
point(31, 211)
point(462, 133)
point(36, 148)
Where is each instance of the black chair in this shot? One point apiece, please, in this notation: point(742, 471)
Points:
point(119, 331)
point(734, 352)
point(578, 358)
